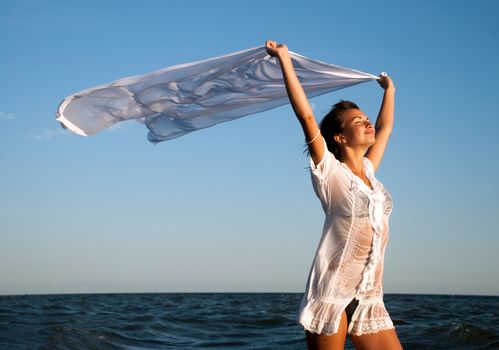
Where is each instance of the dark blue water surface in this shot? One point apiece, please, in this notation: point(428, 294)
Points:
point(227, 321)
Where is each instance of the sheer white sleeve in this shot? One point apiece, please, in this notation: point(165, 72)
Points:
point(326, 166)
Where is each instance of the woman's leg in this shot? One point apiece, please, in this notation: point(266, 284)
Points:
point(382, 340)
point(329, 342)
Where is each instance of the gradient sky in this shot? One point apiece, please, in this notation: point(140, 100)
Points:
point(231, 208)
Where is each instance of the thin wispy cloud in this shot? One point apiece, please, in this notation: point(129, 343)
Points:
point(120, 128)
point(48, 134)
point(7, 116)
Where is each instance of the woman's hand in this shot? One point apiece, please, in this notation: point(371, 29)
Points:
point(276, 50)
point(386, 82)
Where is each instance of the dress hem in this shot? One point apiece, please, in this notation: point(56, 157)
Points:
point(357, 334)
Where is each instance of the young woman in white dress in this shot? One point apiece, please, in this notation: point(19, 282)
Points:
point(353, 140)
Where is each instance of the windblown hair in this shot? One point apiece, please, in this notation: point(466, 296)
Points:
point(332, 124)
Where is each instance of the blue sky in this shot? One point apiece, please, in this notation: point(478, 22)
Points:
point(231, 208)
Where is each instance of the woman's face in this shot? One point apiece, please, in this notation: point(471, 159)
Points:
point(357, 129)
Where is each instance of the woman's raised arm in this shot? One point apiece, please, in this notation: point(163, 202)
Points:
point(298, 100)
point(384, 122)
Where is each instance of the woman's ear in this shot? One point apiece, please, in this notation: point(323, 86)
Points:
point(339, 138)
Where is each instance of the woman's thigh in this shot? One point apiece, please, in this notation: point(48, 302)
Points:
point(328, 342)
point(382, 340)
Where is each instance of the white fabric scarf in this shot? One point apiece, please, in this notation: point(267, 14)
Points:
point(176, 100)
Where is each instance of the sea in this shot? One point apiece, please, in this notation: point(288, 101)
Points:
point(227, 321)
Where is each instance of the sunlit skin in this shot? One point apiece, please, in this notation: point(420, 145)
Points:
point(357, 136)
point(358, 139)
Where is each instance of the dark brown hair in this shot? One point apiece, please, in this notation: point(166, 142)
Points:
point(332, 124)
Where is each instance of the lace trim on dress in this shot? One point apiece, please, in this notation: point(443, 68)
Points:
point(372, 326)
point(370, 317)
point(322, 317)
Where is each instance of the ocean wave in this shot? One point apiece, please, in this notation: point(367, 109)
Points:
point(226, 321)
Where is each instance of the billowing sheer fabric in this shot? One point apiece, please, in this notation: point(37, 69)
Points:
point(349, 260)
point(176, 100)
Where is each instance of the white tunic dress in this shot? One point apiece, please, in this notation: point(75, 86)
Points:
point(348, 263)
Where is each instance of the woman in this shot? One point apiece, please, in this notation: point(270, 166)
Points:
point(344, 293)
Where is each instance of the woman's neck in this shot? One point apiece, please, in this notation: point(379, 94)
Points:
point(353, 158)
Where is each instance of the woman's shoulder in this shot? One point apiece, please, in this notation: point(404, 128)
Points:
point(327, 166)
